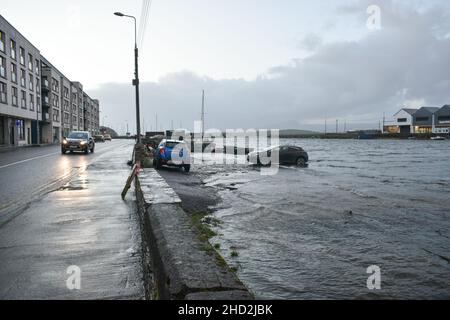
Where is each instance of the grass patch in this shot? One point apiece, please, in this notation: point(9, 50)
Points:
point(201, 223)
point(205, 233)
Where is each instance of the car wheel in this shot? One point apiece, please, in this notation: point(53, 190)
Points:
point(301, 162)
point(187, 167)
point(63, 151)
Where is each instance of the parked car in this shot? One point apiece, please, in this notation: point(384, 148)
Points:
point(99, 138)
point(107, 137)
point(172, 153)
point(288, 155)
point(78, 141)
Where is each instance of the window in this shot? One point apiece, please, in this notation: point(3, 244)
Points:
point(56, 115)
point(55, 101)
point(66, 105)
point(66, 92)
point(31, 102)
point(66, 118)
point(55, 85)
point(23, 101)
point(21, 129)
point(38, 84)
point(13, 73)
point(12, 45)
point(38, 103)
point(23, 79)
point(3, 93)
point(31, 82)
point(37, 67)
point(14, 96)
point(402, 120)
point(22, 56)
point(444, 119)
point(2, 67)
point(422, 119)
point(2, 41)
point(30, 62)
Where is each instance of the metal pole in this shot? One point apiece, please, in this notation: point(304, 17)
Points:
point(136, 83)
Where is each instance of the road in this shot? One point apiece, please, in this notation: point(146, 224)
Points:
point(27, 174)
point(69, 216)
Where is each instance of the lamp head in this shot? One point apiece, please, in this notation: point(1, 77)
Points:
point(119, 14)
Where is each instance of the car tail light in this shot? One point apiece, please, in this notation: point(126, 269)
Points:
point(161, 150)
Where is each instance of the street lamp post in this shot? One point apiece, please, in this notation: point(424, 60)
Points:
point(136, 80)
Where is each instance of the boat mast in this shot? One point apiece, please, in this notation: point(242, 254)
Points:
point(203, 115)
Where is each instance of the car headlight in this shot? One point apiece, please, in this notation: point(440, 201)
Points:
point(65, 142)
point(83, 143)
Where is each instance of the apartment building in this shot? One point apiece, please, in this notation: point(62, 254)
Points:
point(38, 103)
point(20, 93)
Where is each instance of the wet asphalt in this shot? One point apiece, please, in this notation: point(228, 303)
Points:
point(63, 212)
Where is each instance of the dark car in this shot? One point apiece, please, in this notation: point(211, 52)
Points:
point(288, 155)
point(167, 150)
point(78, 141)
point(99, 138)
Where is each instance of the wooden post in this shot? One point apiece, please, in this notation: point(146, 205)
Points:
point(134, 173)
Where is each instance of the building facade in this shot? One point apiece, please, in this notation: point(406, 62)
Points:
point(38, 104)
point(421, 121)
point(20, 107)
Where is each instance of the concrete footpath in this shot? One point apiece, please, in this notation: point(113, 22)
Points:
point(184, 266)
point(84, 224)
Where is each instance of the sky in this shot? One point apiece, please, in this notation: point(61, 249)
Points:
point(287, 64)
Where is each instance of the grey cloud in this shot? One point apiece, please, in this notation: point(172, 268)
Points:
point(406, 60)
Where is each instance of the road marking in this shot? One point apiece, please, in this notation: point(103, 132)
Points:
point(28, 160)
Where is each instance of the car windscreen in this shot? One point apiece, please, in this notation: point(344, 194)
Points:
point(78, 135)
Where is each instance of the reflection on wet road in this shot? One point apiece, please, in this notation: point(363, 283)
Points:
point(26, 174)
point(312, 233)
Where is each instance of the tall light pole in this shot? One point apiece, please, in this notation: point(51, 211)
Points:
point(136, 73)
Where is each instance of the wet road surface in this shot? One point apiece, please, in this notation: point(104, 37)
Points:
point(84, 223)
point(28, 173)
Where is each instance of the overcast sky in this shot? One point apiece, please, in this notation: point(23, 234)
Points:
point(263, 63)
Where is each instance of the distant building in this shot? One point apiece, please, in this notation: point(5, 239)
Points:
point(423, 120)
point(442, 118)
point(38, 104)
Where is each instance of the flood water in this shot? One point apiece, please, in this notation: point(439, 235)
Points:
point(311, 233)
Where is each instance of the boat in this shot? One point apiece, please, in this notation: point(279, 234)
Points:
point(438, 138)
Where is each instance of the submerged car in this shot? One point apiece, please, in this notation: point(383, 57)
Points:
point(288, 155)
point(78, 141)
point(108, 137)
point(172, 153)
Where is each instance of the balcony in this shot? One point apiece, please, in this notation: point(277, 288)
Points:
point(45, 102)
point(46, 118)
point(45, 86)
